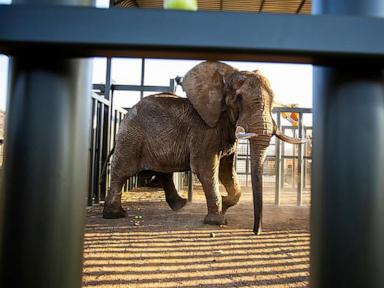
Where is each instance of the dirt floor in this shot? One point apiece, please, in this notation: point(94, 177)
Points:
point(157, 247)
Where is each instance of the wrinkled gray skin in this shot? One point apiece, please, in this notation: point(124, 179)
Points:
point(165, 134)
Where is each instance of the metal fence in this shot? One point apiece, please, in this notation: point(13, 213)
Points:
point(105, 122)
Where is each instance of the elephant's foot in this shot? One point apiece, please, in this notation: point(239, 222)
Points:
point(224, 209)
point(229, 202)
point(215, 219)
point(113, 212)
point(177, 204)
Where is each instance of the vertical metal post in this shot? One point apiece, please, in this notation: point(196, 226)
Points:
point(348, 163)
point(277, 162)
point(190, 186)
point(247, 156)
point(304, 160)
point(282, 164)
point(98, 146)
point(92, 148)
point(104, 151)
point(46, 170)
point(107, 87)
point(300, 163)
point(105, 131)
point(293, 159)
point(142, 77)
point(172, 86)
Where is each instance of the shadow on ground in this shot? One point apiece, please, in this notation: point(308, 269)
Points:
point(156, 247)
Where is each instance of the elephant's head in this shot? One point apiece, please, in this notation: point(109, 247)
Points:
point(214, 87)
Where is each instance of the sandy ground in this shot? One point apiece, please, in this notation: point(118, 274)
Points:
point(157, 247)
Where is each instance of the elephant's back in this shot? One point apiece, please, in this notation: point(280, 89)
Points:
point(166, 108)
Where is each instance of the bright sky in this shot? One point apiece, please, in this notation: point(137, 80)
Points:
point(292, 83)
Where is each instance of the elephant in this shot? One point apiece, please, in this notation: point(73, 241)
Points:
point(165, 133)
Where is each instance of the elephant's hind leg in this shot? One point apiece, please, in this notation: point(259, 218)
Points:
point(228, 178)
point(171, 195)
point(112, 204)
point(121, 169)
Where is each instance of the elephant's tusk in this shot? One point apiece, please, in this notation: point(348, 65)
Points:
point(241, 134)
point(289, 139)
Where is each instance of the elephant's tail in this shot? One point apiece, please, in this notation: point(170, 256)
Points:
point(102, 174)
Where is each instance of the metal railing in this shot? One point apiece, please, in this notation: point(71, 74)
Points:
point(105, 120)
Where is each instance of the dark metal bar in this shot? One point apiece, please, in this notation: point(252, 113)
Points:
point(288, 109)
point(348, 164)
point(122, 87)
point(190, 186)
point(104, 150)
point(278, 163)
point(261, 6)
point(293, 157)
point(115, 112)
point(293, 160)
point(106, 127)
point(99, 147)
point(300, 6)
point(282, 164)
point(247, 156)
point(172, 86)
point(92, 154)
point(262, 37)
point(142, 77)
point(41, 228)
point(141, 88)
point(300, 163)
point(306, 163)
point(107, 87)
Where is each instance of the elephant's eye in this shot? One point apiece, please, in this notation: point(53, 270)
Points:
point(239, 98)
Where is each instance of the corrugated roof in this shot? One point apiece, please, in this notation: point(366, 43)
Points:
point(262, 6)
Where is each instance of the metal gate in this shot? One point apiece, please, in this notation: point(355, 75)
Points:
point(105, 121)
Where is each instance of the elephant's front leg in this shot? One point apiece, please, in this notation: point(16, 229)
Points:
point(228, 178)
point(208, 174)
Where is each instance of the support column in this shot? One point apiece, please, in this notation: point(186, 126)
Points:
point(190, 186)
point(348, 163)
point(300, 163)
point(278, 169)
point(44, 190)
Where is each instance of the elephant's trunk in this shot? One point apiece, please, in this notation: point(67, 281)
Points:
point(258, 147)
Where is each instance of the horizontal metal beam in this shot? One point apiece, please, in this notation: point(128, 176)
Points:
point(101, 99)
point(196, 35)
point(122, 87)
point(289, 109)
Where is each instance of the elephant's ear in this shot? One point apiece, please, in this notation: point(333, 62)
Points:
point(204, 86)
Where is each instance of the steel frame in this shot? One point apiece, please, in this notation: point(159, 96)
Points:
point(320, 39)
point(346, 246)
